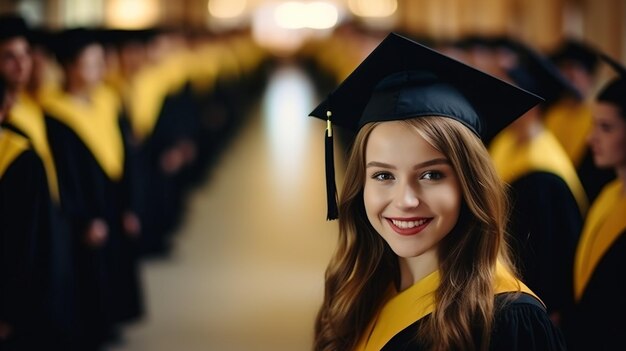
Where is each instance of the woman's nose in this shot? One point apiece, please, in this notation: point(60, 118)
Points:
point(407, 196)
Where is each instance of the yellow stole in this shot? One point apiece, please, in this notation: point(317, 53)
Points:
point(148, 89)
point(542, 153)
point(96, 124)
point(27, 116)
point(418, 301)
point(570, 122)
point(605, 223)
point(11, 146)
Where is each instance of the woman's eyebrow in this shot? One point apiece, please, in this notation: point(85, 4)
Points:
point(435, 161)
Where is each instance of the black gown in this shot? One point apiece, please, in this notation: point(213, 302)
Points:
point(598, 320)
point(109, 290)
point(547, 206)
point(520, 324)
point(30, 258)
point(545, 224)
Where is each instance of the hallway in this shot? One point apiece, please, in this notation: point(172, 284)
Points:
point(247, 269)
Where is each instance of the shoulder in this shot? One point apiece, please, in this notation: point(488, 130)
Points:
point(522, 323)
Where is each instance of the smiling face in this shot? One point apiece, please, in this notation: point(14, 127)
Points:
point(412, 194)
point(608, 136)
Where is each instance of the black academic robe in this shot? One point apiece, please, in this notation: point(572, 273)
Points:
point(548, 202)
point(164, 193)
point(28, 246)
point(108, 281)
point(520, 324)
point(598, 321)
point(54, 255)
point(545, 224)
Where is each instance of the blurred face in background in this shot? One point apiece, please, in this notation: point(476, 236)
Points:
point(608, 136)
point(88, 68)
point(15, 62)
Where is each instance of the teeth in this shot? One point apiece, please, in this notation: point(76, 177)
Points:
point(408, 224)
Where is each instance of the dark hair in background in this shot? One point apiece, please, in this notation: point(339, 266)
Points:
point(615, 93)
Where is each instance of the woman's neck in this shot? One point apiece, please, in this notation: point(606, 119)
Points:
point(414, 269)
point(79, 92)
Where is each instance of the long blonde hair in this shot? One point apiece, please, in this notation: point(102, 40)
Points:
point(363, 262)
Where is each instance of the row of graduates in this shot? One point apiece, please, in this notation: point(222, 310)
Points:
point(103, 134)
point(570, 255)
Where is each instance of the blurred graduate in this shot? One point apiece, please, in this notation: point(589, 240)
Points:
point(88, 146)
point(599, 317)
point(548, 198)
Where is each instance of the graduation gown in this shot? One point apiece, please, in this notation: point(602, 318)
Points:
point(598, 321)
point(28, 279)
point(88, 149)
point(26, 119)
point(548, 202)
point(157, 118)
point(520, 323)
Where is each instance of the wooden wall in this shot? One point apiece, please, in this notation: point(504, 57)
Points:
point(541, 23)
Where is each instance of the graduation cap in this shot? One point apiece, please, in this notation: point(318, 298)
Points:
point(538, 74)
point(615, 91)
point(402, 79)
point(12, 26)
point(68, 44)
point(576, 51)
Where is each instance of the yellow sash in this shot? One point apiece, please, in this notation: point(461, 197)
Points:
point(543, 153)
point(604, 224)
point(148, 89)
point(418, 301)
point(27, 116)
point(11, 146)
point(96, 124)
point(570, 122)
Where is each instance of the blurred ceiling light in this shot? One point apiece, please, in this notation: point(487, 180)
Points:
point(373, 8)
point(299, 15)
point(132, 14)
point(227, 8)
point(322, 15)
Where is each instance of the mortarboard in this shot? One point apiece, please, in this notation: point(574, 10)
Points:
point(539, 75)
point(576, 51)
point(402, 79)
point(68, 44)
point(12, 26)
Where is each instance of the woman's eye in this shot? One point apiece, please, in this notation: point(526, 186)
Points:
point(432, 175)
point(605, 127)
point(382, 176)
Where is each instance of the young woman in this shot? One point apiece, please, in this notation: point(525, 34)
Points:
point(421, 262)
point(599, 317)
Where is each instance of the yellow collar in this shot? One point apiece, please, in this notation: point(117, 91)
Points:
point(542, 153)
point(418, 301)
point(11, 146)
point(26, 115)
point(604, 225)
point(96, 124)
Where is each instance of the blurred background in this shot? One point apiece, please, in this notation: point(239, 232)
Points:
point(241, 264)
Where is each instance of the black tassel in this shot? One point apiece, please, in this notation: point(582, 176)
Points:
point(331, 188)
